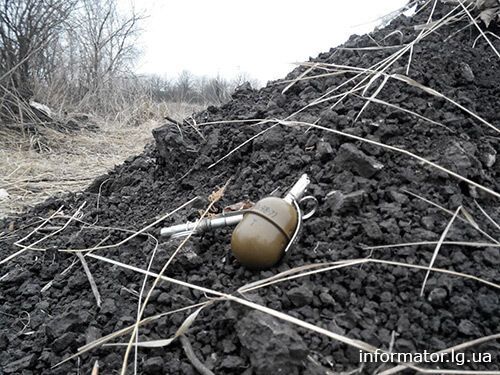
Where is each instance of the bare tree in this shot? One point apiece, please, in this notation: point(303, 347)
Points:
point(26, 28)
point(105, 41)
point(160, 88)
point(215, 90)
point(193, 89)
point(242, 78)
point(185, 87)
point(65, 51)
point(78, 55)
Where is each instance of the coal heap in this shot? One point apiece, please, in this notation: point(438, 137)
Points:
point(368, 196)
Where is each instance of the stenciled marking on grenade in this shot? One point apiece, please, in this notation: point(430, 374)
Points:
point(265, 209)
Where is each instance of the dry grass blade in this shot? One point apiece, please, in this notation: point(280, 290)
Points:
point(307, 71)
point(67, 269)
point(165, 342)
point(469, 218)
point(214, 197)
point(92, 282)
point(353, 262)
point(31, 246)
point(243, 144)
point(292, 271)
point(479, 36)
point(325, 97)
point(150, 236)
point(243, 121)
point(407, 80)
point(399, 77)
point(450, 213)
point(424, 243)
point(100, 341)
point(95, 368)
point(393, 148)
point(395, 32)
point(438, 246)
point(316, 76)
point(382, 66)
point(188, 349)
point(223, 296)
point(297, 273)
point(373, 96)
point(409, 61)
point(378, 68)
point(45, 221)
point(134, 234)
point(428, 90)
point(282, 316)
point(473, 20)
point(373, 48)
point(429, 24)
point(348, 261)
point(439, 270)
point(14, 255)
point(390, 105)
point(141, 294)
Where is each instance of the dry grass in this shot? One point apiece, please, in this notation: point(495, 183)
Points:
point(70, 162)
point(367, 78)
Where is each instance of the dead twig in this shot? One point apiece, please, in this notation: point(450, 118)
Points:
point(282, 316)
point(438, 246)
point(392, 148)
point(92, 282)
point(214, 197)
point(197, 364)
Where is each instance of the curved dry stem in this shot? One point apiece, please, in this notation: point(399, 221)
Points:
point(463, 219)
point(216, 196)
point(393, 148)
point(102, 340)
point(479, 29)
point(134, 234)
point(243, 144)
point(424, 243)
point(438, 246)
point(285, 317)
point(390, 105)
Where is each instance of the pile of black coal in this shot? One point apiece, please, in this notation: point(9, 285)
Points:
point(367, 194)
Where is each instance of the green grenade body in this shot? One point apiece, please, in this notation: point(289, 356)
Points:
point(260, 239)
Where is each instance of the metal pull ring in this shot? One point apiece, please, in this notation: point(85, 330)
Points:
point(313, 209)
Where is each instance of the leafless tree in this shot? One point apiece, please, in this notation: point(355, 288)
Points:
point(105, 41)
point(215, 90)
point(27, 27)
point(79, 55)
point(160, 88)
point(64, 51)
point(185, 87)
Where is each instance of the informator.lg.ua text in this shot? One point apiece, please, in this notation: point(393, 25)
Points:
point(458, 358)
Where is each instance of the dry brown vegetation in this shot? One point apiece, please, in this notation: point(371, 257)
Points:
point(70, 161)
point(71, 107)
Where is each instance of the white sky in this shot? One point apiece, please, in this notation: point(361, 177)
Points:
point(260, 37)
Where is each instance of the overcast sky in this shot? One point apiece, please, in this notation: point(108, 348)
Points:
point(259, 37)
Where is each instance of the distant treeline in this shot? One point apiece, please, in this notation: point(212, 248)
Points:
point(78, 55)
point(194, 89)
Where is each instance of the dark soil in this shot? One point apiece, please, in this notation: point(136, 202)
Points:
point(361, 203)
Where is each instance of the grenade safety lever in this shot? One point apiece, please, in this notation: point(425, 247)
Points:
point(264, 233)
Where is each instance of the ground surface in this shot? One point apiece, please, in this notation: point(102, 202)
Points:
point(364, 200)
point(69, 161)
